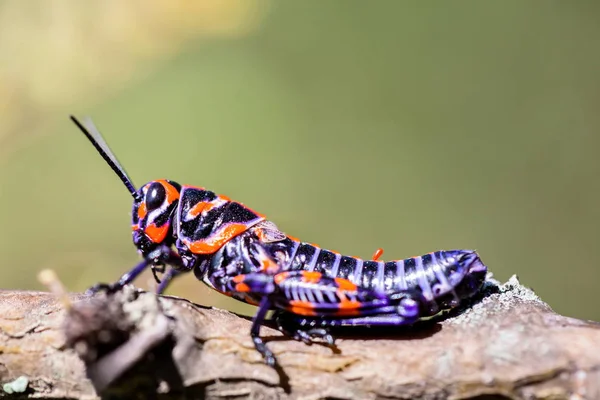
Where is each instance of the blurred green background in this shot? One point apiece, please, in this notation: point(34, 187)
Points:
point(356, 125)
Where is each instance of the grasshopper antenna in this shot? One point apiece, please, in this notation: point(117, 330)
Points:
point(93, 134)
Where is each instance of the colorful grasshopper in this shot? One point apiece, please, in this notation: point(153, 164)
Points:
point(236, 251)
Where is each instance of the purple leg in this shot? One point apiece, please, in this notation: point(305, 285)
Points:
point(376, 320)
point(289, 327)
point(165, 256)
point(170, 258)
point(373, 320)
point(125, 279)
point(406, 312)
point(130, 275)
point(167, 278)
point(257, 321)
point(332, 302)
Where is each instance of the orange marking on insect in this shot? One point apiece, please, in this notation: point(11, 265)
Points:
point(157, 233)
point(293, 238)
point(242, 287)
point(199, 208)
point(224, 198)
point(225, 293)
point(261, 234)
point(268, 265)
point(172, 192)
point(335, 252)
point(348, 307)
point(311, 276)
point(214, 242)
point(142, 210)
point(301, 307)
point(239, 278)
point(345, 284)
point(316, 245)
point(250, 301)
point(377, 254)
point(135, 227)
point(281, 277)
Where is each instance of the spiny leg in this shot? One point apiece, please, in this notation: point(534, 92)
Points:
point(289, 327)
point(323, 323)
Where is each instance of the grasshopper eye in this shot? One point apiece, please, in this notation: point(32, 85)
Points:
point(155, 196)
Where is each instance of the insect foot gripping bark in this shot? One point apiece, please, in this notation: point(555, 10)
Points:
point(237, 251)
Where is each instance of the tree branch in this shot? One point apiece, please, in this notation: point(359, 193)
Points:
point(508, 343)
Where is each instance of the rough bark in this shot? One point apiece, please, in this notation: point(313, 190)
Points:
point(506, 344)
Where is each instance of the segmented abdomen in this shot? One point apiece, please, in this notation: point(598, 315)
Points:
point(443, 277)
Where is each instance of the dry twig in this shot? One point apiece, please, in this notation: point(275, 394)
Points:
point(508, 343)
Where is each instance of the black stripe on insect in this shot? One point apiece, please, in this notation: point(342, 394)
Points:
point(236, 251)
